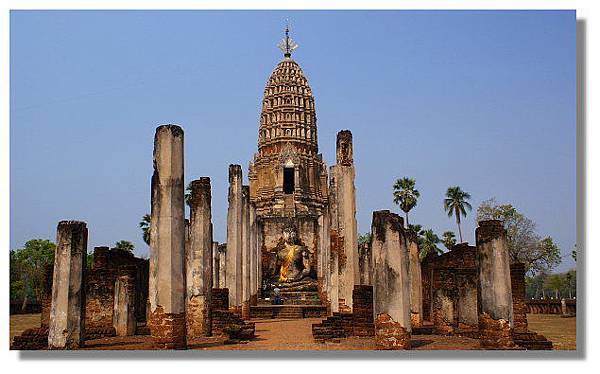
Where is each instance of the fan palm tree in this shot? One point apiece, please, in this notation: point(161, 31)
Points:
point(145, 226)
point(448, 239)
point(416, 229)
point(428, 241)
point(456, 204)
point(406, 195)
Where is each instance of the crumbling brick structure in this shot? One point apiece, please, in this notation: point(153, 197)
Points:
point(225, 322)
point(520, 332)
point(100, 289)
point(450, 290)
point(359, 322)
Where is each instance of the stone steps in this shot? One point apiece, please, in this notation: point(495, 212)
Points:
point(531, 341)
point(288, 311)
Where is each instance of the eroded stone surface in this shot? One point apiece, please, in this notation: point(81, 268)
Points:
point(199, 259)
point(66, 328)
point(167, 241)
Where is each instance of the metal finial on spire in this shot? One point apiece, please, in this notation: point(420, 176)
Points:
point(287, 44)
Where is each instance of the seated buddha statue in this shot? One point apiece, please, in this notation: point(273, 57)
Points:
point(293, 260)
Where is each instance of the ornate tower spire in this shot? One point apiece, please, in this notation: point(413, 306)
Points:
point(287, 44)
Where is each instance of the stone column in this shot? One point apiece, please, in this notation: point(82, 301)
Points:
point(234, 238)
point(323, 271)
point(216, 266)
point(253, 256)
point(391, 282)
point(334, 289)
point(246, 252)
point(259, 245)
point(124, 319)
point(222, 265)
point(199, 261)
point(494, 290)
point(334, 244)
point(416, 283)
point(365, 264)
point(167, 241)
point(66, 329)
point(346, 209)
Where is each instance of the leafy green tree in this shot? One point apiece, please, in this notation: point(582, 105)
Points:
point(456, 204)
point(406, 195)
point(556, 283)
point(428, 242)
point(125, 245)
point(574, 253)
point(29, 263)
point(535, 285)
point(145, 226)
point(524, 244)
point(571, 283)
point(448, 239)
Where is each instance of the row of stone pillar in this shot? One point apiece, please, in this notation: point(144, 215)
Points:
point(397, 295)
point(180, 275)
point(242, 260)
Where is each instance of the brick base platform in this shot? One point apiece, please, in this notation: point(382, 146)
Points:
point(389, 334)
point(167, 329)
point(495, 334)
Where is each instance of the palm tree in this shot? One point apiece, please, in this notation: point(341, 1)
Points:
point(145, 226)
point(448, 239)
point(416, 229)
point(428, 241)
point(406, 195)
point(456, 204)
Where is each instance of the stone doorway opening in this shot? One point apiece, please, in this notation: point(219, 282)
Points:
point(288, 180)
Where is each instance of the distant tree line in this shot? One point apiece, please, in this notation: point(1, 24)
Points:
point(555, 286)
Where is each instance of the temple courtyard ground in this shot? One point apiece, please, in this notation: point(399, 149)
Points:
point(296, 334)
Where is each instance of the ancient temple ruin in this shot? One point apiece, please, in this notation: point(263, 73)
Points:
point(291, 252)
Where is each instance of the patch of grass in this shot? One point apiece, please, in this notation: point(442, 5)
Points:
point(561, 331)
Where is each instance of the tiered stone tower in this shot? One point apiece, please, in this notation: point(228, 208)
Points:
point(288, 176)
point(288, 182)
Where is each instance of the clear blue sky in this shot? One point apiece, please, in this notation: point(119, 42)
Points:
point(484, 100)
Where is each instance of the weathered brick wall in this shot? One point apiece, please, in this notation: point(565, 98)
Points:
point(517, 282)
point(426, 275)
point(343, 324)
point(224, 322)
point(101, 283)
point(450, 289)
point(550, 306)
